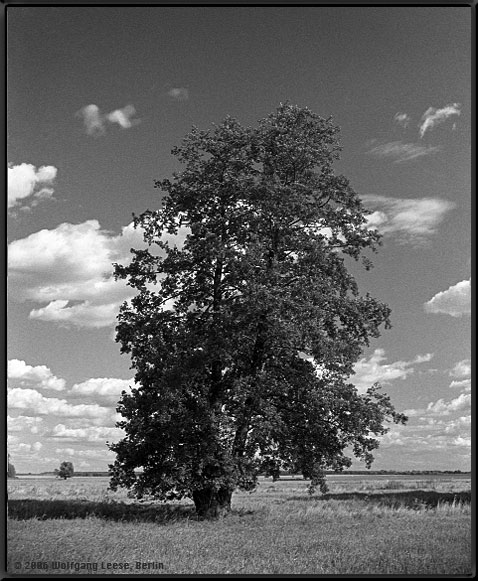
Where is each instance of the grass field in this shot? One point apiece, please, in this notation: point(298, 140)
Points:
point(371, 525)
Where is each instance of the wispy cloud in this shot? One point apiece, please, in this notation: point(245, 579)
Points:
point(399, 152)
point(179, 93)
point(455, 301)
point(402, 119)
point(410, 221)
point(462, 374)
point(95, 122)
point(433, 117)
point(84, 314)
point(375, 369)
point(463, 384)
point(28, 184)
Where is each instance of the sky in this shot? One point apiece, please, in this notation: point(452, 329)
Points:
point(96, 99)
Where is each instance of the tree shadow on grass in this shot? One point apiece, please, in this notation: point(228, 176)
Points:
point(409, 499)
point(22, 509)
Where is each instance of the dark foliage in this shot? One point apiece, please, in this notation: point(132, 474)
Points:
point(244, 334)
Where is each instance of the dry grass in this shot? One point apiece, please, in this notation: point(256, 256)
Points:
point(360, 527)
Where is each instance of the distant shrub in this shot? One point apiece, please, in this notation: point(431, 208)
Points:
point(393, 485)
point(11, 472)
point(65, 471)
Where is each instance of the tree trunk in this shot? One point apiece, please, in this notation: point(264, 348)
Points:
point(212, 503)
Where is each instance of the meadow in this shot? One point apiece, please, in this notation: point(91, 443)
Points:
point(364, 525)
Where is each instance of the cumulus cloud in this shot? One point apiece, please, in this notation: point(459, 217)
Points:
point(91, 434)
point(100, 454)
point(95, 122)
point(71, 254)
point(92, 119)
point(410, 221)
point(399, 152)
point(26, 181)
point(73, 262)
point(402, 119)
point(84, 424)
point(102, 386)
point(433, 435)
point(23, 448)
point(440, 428)
point(443, 408)
point(123, 117)
point(179, 94)
point(24, 423)
point(457, 425)
point(70, 269)
point(66, 451)
point(459, 441)
point(374, 369)
point(461, 369)
point(455, 301)
point(38, 375)
point(31, 399)
point(433, 117)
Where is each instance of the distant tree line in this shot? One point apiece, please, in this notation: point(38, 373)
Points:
point(403, 472)
point(357, 472)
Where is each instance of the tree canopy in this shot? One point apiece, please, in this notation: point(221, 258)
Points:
point(247, 321)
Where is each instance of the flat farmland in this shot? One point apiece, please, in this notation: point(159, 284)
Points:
point(366, 524)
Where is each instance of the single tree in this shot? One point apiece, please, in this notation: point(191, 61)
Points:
point(65, 471)
point(243, 335)
point(11, 472)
